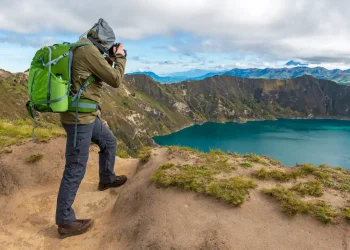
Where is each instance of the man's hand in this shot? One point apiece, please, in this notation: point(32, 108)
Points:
point(120, 50)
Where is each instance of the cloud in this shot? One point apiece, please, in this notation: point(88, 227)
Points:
point(168, 48)
point(32, 41)
point(168, 62)
point(315, 31)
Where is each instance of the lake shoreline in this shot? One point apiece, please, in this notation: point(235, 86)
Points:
point(281, 136)
point(256, 120)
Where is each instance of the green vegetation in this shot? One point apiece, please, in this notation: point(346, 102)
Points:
point(35, 158)
point(218, 161)
point(274, 174)
point(232, 191)
point(332, 178)
point(347, 213)
point(145, 154)
point(234, 155)
point(16, 132)
point(6, 151)
point(246, 165)
point(273, 161)
point(312, 188)
point(255, 158)
point(339, 168)
point(184, 148)
point(325, 175)
point(217, 152)
point(122, 153)
point(214, 174)
point(202, 179)
point(293, 205)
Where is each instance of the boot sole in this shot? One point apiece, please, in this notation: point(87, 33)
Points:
point(63, 236)
point(107, 187)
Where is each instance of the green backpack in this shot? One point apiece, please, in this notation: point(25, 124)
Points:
point(49, 83)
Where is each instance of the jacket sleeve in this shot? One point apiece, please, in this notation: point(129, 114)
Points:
point(99, 66)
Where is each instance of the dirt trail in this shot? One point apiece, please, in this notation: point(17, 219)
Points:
point(141, 216)
point(27, 213)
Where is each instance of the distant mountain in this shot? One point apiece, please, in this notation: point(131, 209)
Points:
point(295, 63)
point(192, 73)
point(336, 75)
point(162, 79)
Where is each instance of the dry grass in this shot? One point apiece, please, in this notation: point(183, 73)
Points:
point(202, 179)
point(122, 153)
point(293, 205)
point(144, 154)
point(347, 213)
point(246, 165)
point(255, 158)
point(16, 132)
point(6, 151)
point(299, 188)
point(35, 158)
point(311, 188)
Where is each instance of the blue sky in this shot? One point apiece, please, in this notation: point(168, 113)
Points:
point(165, 37)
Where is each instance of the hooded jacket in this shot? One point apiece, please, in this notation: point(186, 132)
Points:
point(88, 60)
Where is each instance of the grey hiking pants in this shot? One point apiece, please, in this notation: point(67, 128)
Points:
point(76, 160)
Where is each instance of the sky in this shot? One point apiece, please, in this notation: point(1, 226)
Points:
point(173, 36)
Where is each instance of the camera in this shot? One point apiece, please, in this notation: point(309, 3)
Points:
point(116, 45)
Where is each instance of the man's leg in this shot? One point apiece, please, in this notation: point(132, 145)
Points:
point(107, 142)
point(76, 159)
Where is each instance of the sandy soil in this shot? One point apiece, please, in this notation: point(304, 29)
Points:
point(139, 215)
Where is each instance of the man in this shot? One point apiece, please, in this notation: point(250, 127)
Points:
point(89, 60)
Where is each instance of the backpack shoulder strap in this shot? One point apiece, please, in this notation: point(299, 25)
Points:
point(99, 46)
point(88, 81)
point(76, 103)
point(76, 45)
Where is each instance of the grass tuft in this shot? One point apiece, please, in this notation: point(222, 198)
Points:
point(293, 205)
point(275, 162)
point(7, 151)
point(339, 168)
point(255, 158)
point(232, 191)
point(246, 165)
point(184, 148)
point(234, 155)
point(307, 168)
point(290, 203)
point(275, 174)
point(347, 213)
point(218, 162)
point(35, 158)
point(311, 188)
point(202, 179)
point(16, 132)
point(122, 153)
point(145, 154)
point(217, 152)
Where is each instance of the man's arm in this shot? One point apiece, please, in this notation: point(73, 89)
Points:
point(99, 66)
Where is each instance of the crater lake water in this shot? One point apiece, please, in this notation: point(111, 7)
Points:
point(289, 141)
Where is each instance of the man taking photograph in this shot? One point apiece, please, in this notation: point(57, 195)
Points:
point(82, 128)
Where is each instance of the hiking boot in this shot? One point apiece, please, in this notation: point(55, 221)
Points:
point(119, 180)
point(74, 228)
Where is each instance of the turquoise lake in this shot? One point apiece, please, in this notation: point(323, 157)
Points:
point(289, 141)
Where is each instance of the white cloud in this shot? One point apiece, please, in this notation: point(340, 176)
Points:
point(315, 31)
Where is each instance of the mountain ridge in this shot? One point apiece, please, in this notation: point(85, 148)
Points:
point(337, 75)
point(142, 108)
